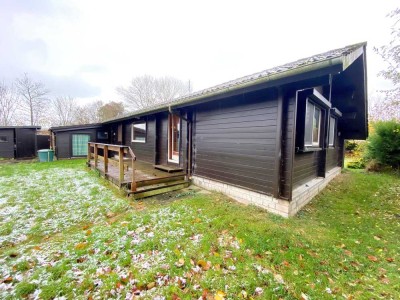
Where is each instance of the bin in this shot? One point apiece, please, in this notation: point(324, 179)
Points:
point(46, 155)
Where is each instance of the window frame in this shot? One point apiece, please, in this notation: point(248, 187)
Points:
point(315, 107)
point(332, 145)
point(133, 140)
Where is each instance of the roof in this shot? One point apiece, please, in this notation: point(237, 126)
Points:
point(20, 127)
point(342, 57)
point(75, 127)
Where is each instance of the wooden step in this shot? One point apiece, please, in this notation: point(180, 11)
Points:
point(168, 169)
point(156, 189)
point(153, 181)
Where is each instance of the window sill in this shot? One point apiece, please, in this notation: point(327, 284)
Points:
point(309, 149)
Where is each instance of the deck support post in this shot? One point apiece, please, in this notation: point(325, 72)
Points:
point(105, 159)
point(95, 155)
point(89, 154)
point(121, 165)
point(133, 184)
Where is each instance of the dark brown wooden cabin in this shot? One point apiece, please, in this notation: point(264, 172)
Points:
point(18, 142)
point(273, 139)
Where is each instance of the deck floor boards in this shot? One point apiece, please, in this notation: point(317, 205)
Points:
point(143, 171)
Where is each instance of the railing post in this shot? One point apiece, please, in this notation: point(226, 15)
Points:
point(105, 159)
point(89, 152)
point(121, 165)
point(95, 155)
point(133, 184)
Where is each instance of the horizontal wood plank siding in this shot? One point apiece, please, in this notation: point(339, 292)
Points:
point(7, 148)
point(305, 167)
point(235, 141)
point(143, 151)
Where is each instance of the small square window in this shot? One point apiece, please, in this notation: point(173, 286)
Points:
point(139, 132)
point(102, 135)
point(312, 125)
point(3, 139)
point(332, 131)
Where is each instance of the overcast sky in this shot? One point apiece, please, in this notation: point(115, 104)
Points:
point(85, 49)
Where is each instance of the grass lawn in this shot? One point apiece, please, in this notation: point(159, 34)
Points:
point(66, 234)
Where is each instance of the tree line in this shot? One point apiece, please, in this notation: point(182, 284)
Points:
point(27, 102)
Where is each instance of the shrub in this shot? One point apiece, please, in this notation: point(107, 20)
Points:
point(384, 144)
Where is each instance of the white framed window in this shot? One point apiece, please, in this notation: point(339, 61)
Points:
point(138, 132)
point(312, 129)
point(332, 131)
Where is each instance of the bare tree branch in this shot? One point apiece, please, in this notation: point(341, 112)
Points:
point(64, 111)
point(146, 90)
point(8, 104)
point(33, 98)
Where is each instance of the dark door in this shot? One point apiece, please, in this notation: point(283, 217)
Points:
point(25, 142)
point(117, 134)
point(7, 143)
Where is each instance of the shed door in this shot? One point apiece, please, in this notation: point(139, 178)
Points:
point(80, 144)
point(25, 142)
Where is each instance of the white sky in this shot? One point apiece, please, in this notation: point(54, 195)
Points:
point(87, 48)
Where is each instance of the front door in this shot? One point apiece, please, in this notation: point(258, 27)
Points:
point(174, 133)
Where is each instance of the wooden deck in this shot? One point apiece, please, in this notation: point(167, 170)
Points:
point(143, 172)
point(118, 164)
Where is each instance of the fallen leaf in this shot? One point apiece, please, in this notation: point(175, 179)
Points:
point(180, 262)
point(175, 297)
point(377, 238)
point(8, 279)
point(385, 280)
point(88, 232)
point(151, 285)
point(372, 258)
point(304, 296)
point(80, 246)
point(279, 278)
point(37, 248)
point(204, 265)
point(219, 295)
point(390, 259)
point(348, 253)
point(110, 214)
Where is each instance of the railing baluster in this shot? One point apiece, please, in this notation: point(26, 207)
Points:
point(133, 183)
point(105, 159)
point(95, 155)
point(121, 165)
point(89, 153)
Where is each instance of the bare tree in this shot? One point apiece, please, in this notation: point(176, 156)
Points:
point(389, 108)
point(8, 104)
point(89, 113)
point(64, 111)
point(33, 98)
point(146, 90)
point(111, 110)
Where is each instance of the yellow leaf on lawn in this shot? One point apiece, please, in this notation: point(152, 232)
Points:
point(219, 295)
point(80, 246)
point(89, 232)
point(37, 248)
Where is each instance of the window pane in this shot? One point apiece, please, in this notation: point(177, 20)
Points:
point(308, 125)
point(332, 130)
point(316, 123)
point(3, 139)
point(79, 144)
point(139, 132)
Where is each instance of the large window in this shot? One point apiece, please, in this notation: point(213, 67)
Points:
point(80, 144)
point(312, 125)
point(139, 132)
point(332, 131)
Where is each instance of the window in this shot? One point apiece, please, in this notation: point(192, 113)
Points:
point(313, 125)
point(139, 132)
point(3, 139)
point(80, 144)
point(332, 131)
point(102, 135)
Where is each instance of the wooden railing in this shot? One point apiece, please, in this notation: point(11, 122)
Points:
point(121, 157)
